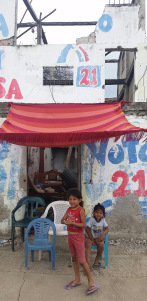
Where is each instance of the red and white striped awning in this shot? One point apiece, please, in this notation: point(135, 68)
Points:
point(59, 125)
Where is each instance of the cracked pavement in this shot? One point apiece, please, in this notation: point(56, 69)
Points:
point(125, 279)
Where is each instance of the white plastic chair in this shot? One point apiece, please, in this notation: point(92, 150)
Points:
point(59, 209)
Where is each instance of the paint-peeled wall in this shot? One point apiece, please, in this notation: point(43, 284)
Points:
point(119, 27)
point(13, 182)
point(114, 174)
point(33, 161)
point(141, 73)
point(13, 158)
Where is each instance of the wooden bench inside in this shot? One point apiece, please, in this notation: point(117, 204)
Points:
point(49, 178)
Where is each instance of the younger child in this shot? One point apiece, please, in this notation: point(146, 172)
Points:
point(95, 234)
point(75, 220)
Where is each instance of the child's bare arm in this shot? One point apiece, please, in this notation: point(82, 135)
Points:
point(88, 231)
point(102, 236)
point(64, 218)
point(106, 230)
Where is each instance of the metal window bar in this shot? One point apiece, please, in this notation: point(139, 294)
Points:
point(119, 2)
point(58, 75)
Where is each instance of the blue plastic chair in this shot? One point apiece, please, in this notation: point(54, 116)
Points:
point(105, 246)
point(41, 228)
point(32, 204)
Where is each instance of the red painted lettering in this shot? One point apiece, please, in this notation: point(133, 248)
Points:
point(120, 191)
point(14, 90)
point(84, 80)
point(94, 81)
point(2, 89)
point(140, 177)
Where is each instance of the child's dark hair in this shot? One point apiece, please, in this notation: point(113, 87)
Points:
point(99, 206)
point(76, 193)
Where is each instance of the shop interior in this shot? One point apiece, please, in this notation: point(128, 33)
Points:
point(52, 171)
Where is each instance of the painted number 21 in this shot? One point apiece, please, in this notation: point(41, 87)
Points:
point(88, 76)
point(121, 191)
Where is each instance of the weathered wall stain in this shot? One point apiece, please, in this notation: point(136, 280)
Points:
point(4, 211)
point(126, 218)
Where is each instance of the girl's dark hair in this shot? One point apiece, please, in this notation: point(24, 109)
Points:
point(76, 193)
point(99, 206)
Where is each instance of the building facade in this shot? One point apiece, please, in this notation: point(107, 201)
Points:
point(110, 172)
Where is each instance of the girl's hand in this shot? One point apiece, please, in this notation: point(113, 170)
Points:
point(65, 221)
point(70, 222)
point(93, 242)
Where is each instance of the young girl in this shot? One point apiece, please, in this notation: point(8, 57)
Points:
point(75, 220)
point(96, 230)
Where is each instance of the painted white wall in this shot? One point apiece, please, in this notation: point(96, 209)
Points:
point(13, 176)
point(25, 65)
point(115, 172)
point(119, 26)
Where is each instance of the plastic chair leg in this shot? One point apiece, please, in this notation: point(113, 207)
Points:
point(106, 251)
point(32, 255)
point(26, 259)
point(106, 258)
point(49, 255)
point(22, 233)
point(53, 259)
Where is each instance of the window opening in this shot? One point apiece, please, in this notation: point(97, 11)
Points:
point(58, 76)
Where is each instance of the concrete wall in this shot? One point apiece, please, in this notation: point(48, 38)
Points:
point(114, 174)
point(119, 27)
point(13, 179)
point(22, 73)
point(123, 27)
point(125, 66)
point(136, 90)
point(141, 73)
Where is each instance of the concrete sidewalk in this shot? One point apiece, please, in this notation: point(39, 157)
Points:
point(125, 279)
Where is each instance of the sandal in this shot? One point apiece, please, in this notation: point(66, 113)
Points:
point(96, 266)
point(92, 289)
point(71, 285)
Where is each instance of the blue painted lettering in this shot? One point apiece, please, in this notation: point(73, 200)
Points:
point(116, 154)
point(101, 154)
point(107, 203)
point(12, 180)
point(64, 53)
point(105, 23)
point(4, 150)
point(3, 26)
point(1, 52)
point(131, 145)
point(143, 153)
point(3, 178)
